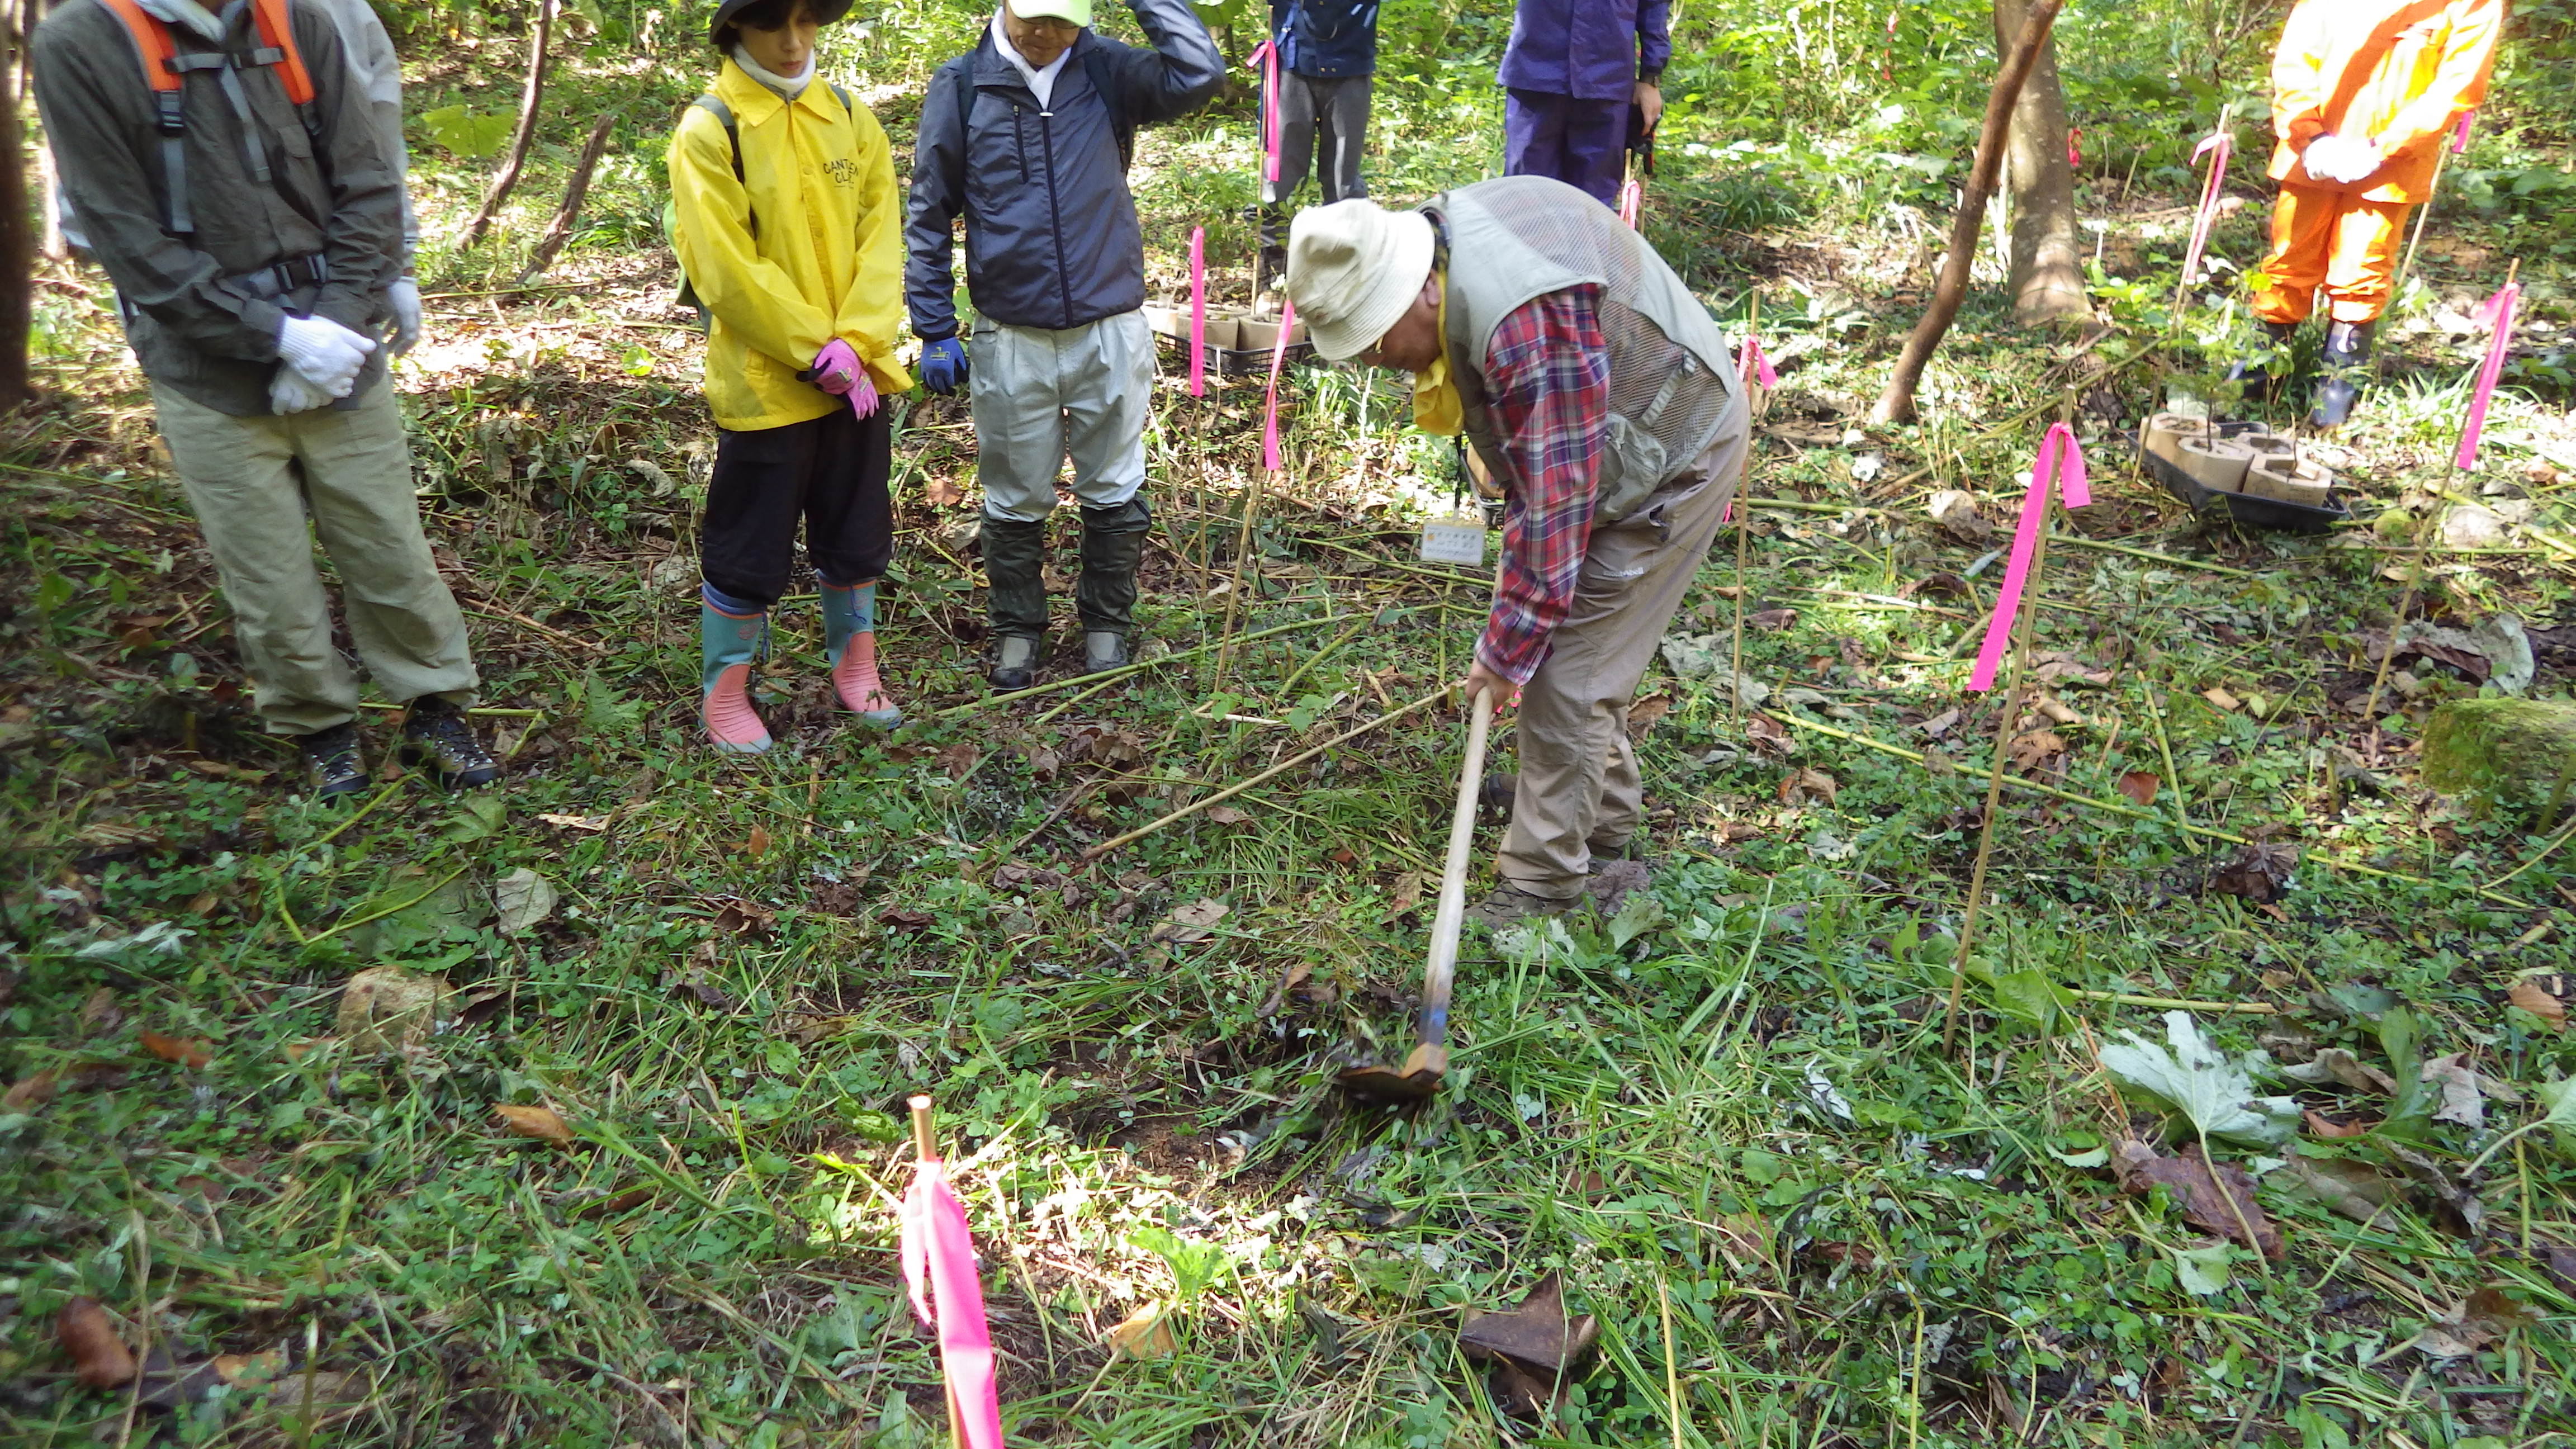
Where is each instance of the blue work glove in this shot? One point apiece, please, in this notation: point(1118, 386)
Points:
point(943, 366)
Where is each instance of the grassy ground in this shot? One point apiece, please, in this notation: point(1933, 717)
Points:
point(1733, 1114)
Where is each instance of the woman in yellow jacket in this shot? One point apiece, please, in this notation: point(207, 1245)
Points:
point(2362, 92)
point(789, 229)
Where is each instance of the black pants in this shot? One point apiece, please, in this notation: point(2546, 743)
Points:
point(830, 471)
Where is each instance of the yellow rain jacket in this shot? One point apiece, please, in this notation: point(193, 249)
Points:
point(823, 259)
point(2398, 72)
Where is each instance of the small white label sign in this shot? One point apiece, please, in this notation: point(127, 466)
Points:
point(1457, 539)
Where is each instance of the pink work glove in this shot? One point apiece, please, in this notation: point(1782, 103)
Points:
point(836, 368)
point(863, 397)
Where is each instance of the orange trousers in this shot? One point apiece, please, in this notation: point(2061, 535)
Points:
point(2334, 240)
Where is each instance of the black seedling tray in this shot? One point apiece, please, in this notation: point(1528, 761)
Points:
point(2272, 513)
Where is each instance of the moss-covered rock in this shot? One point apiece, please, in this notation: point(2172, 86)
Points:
point(2510, 754)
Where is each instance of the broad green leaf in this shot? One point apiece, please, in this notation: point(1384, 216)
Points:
point(468, 135)
point(1638, 913)
point(2203, 1271)
point(2216, 1094)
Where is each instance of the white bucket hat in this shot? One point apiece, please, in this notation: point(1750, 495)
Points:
point(1353, 269)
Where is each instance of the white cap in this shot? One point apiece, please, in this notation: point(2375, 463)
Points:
point(1353, 269)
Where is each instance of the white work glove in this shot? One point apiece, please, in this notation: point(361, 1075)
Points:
point(2340, 160)
point(405, 297)
point(288, 392)
point(325, 353)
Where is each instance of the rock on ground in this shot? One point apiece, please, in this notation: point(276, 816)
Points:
point(2510, 754)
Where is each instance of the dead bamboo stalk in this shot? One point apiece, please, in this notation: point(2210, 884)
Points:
point(532, 96)
point(1743, 508)
point(1896, 404)
point(559, 231)
point(1228, 793)
point(2004, 730)
point(1234, 590)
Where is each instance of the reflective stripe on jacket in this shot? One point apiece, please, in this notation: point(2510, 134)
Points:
point(1051, 233)
point(2396, 72)
point(804, 248)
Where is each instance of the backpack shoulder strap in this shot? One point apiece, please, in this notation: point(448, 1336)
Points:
point(714, 105)
point(277, 48)
point(843, 97)
point(158, 59)
point(1102, 67)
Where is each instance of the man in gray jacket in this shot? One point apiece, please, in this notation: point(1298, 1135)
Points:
point(227, 176)
point(1028, 137)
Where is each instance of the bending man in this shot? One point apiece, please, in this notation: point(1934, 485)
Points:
point(1603, 399)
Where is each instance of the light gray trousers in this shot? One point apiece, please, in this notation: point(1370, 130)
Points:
point(1038, 395)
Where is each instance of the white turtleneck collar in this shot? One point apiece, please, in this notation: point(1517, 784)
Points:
point(1041, 81)
point(785, 87)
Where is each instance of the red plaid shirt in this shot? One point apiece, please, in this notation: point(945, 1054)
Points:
point(1547, 390)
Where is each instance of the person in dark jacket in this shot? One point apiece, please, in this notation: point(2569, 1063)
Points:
point(1026, 137)
point(254, 236)
point(1327, 56)
point(1573, 73)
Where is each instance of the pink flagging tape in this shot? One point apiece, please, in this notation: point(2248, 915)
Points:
point(2498, 311)
point(1750, 362)
point(939, 1267)
point(1270, 403)
point(1198, 311)
point(2061, 462)
point(2460, 132)
point(1632, 202)
point(1265, 59)
point(2224, 145)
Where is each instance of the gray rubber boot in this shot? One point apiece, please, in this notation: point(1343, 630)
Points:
point(1016, 603)
point(2347, 364)
point(1113, 543)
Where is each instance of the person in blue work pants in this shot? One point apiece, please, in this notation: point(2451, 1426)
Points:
point(1573, 75)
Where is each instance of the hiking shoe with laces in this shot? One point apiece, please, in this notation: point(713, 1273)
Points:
point(435, 733)
point(331, 761)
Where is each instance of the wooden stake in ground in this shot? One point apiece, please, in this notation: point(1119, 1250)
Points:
point(1270, 468)
point(559, 230)
point(531, 97)
point(1896, 404)
point(2060, 465)
point(1744, 373)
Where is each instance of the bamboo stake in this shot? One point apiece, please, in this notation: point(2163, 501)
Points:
point(1228, 793)
point(1743, 508)
point(925, 1147)
point(1234, 591)
point(1672, 1370)
point(2022, 629)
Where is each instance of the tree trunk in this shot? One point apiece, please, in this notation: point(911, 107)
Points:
point(531, 97)
point(560, 230)
point(1896, 404)
point(17, 254)
point(2047, 261)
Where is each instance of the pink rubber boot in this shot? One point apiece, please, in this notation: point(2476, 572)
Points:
point(727, 645)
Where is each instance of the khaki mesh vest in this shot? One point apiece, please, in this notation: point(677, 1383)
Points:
point(1673, 391)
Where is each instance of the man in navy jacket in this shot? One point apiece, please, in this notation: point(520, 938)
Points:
point(1025, 137)
point(1327, 54)
point(1574, 71)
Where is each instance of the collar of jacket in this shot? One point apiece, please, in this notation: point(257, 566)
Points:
point(753, 103)
point(186, 13)
point(992, 69)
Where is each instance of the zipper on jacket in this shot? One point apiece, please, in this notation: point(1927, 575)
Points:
point(1055, 215)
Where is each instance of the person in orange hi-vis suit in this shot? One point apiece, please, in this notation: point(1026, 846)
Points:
point(2362, 94)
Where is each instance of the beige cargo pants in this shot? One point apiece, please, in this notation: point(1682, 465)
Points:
point(1038, 395)
point(1579, 791)
point(254, 483)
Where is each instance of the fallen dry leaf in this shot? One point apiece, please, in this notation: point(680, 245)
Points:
point(388, 1008)
point(34, 1090)
point(2222, 700)
point(1939, 763)
point(958, 760)
point(538, 1122)
point(2198, 1193)
point(1534, 1334)
point(2461, 1101)
point(1191, 923)
point(1940, 724)
point(100, 1359)
point(2033, 750)
point(1771, 620)
point(1227, 815)
point(2473, 1323)
point(2327, 1127)
point(1407, 893)
point(2140, 786)
point(2057, 711)
point(758, 844)
point(1145, 1333)
point(738, 917)
point(249, 1369)
point(1958, 517)
point(99, 1012)
point(189, 1052)
point(1808, 785)
point(2355, 1189)
point(1643, 714)
point(2532, 997)
point(2257, 872)
point(942, 492)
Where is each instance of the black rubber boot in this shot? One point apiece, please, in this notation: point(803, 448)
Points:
point(1272, 264)
point(2256, 377)
point(1113, 543)
point(2347, 365)
point(1015, 602)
